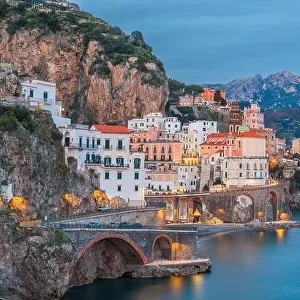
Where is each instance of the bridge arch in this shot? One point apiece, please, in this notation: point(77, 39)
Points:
point(162, 248)
point(130, 250)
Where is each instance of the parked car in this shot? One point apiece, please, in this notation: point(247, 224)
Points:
point(94, 225)
point(125, 225)
point(114, 225)
point(103, 208)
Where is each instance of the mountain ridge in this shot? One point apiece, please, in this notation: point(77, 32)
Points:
point(275, 91)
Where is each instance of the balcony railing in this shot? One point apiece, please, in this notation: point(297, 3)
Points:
point(106, 165)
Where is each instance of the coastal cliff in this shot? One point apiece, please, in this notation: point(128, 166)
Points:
point(102, 75)
point(32, 160)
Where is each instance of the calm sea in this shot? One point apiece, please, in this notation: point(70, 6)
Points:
point(246, 266)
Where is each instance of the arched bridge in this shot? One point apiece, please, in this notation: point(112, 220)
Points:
point(137, 246)
point(241, 205)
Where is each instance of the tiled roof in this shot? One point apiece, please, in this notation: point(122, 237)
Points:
point(112, 129)
point(251, 135)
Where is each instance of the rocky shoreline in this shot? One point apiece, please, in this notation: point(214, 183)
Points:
point(160, 269)
point(273, 226)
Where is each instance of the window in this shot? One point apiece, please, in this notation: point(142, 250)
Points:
point(248, 166)
point(45, 96)
point(88, 143)
point(31, 93)
point(107, 144)
point(106, 175)
point(119, 175)
point(147, 150)
point(154, 157)
point(225, 174)
point(119, 188)
point(241, 174)
point(137, 163)
point(146, 157)
point(170, 157)
point(120, 144)
point(136, 188)
point(136, 175)
point(98, 142)
point(120, 161)
point(162, 149)
point(162, 158)
point(241, 166)
point(107, 161)
point(80, 142)
point(87, 158)
point(154, 150)
point(93, 143)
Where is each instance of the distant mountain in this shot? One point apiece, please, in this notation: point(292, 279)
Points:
point(280, 90)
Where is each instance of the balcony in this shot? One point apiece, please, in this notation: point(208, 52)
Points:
point(106, 165)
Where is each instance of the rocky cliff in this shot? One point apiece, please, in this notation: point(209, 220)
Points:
point(34, 263)
point(101, 74)
point(32, 160)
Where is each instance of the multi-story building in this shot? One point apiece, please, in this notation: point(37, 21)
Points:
point(253, 117)
point(42, 95)
point(202, 128)
point(270, 138)
point(209, 94)
point(191, 100)
point(296, 146)
point(161, 181)
point(189, 141)
point(167, 124)
point(105, 149)
point(187, 177)
point(238, 159)
point(235, 119)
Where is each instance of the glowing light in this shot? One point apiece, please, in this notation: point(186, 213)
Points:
point(176, 283)
point(18, 203)
point(284, 217)
point(100, 197)
point(71, 199)
point(197, 282)
point(280, 234)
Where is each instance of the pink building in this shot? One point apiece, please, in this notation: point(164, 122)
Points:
point(253, 117)
point(156, 148)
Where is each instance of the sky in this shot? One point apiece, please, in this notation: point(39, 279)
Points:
point(211, 41)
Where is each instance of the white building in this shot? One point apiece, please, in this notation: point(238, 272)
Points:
point(189, 140)
point(188, 177)
point(42, 95)
point(202, 128)
point(105, 149)
point(161, 181)
point(236, 159)
point(168, 124)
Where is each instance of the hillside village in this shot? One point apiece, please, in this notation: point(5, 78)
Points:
point(158, 155)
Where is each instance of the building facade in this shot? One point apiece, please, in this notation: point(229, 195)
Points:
point(105, 149)
point(253, 117)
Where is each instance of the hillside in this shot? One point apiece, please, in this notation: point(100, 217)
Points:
point(280, 90)
point(101, 73)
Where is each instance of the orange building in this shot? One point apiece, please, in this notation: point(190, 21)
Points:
point(209, 94)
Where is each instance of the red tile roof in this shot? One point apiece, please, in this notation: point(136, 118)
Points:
point(250, 135)
point(112, 129)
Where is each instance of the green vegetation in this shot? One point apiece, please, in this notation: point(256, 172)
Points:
point(11, 117)
point(100, 67)
point(178, 89)
point(117, 47)
point(59, 238)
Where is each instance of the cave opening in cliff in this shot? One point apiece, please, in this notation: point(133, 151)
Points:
point(108, 257)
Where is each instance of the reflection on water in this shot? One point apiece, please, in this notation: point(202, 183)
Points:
point(246, 265)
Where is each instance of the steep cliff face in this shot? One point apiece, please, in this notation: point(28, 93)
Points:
point(101, 74)
point(34, 264)
point(32, 160)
